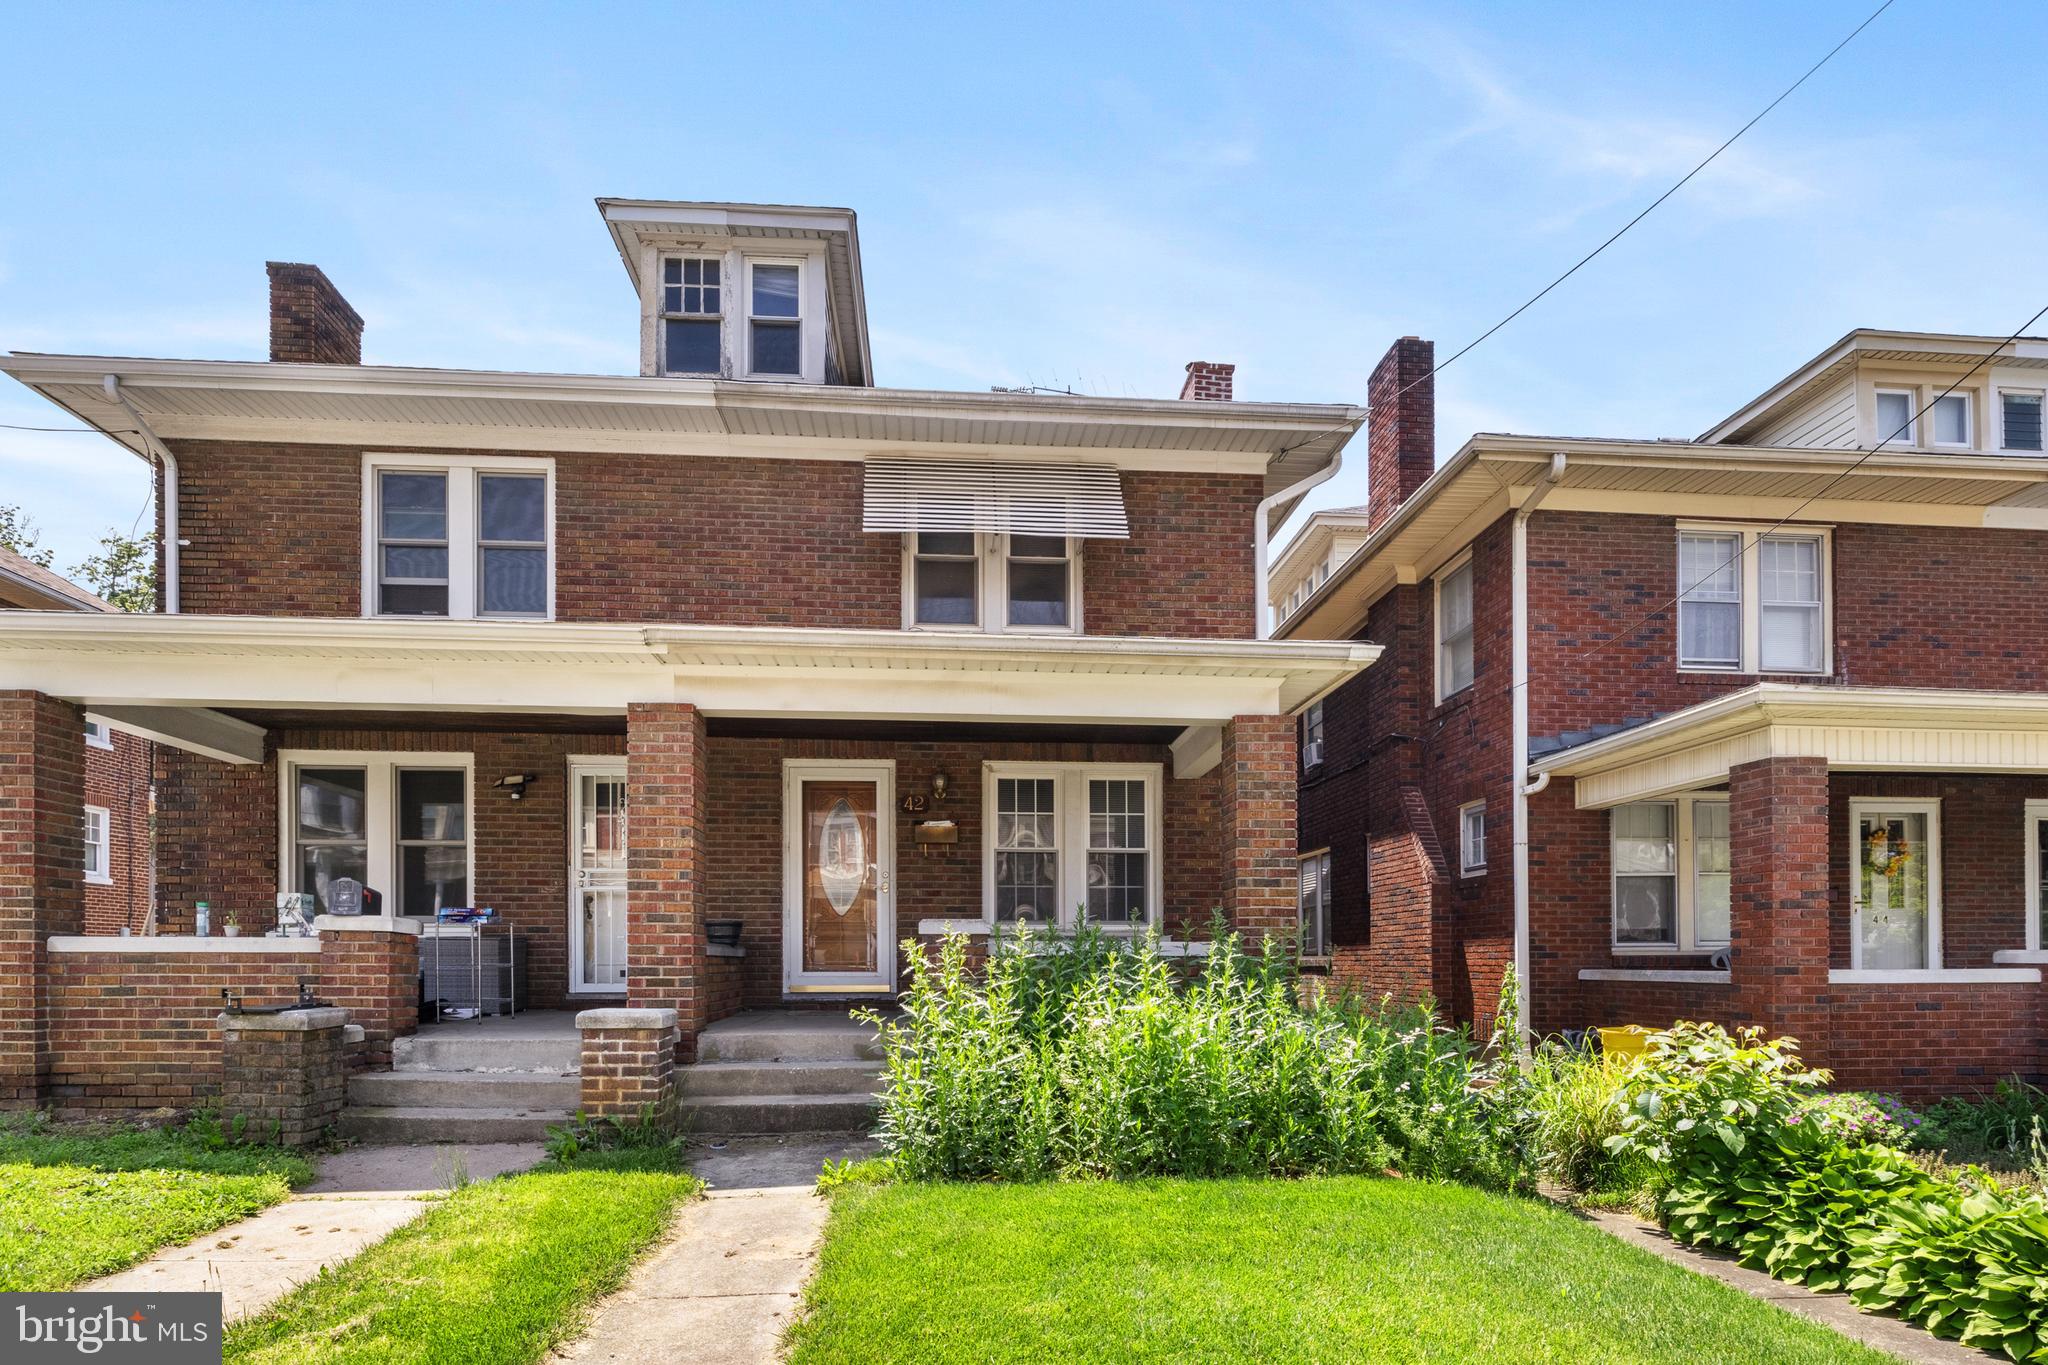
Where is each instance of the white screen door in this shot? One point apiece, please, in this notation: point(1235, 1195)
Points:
point(1895, 885)
point(597, 878)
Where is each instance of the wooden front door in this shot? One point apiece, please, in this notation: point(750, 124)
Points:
point(838, 871)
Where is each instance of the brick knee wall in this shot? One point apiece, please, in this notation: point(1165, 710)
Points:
point(628, 1063)
point(373, 973)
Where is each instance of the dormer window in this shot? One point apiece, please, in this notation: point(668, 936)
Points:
point(2020, 413)
point(775, 318)
point(692, 339)
point(1950, 421)
point(1895, 417)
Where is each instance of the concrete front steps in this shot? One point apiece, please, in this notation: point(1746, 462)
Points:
point(782, 1071)
point(504, 1080)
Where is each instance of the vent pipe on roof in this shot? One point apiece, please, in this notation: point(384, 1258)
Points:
point(112, 385)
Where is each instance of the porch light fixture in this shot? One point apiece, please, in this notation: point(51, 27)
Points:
point(514, 784)
point(939, 785)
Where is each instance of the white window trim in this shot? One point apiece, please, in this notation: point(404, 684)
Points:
point(105, 876)
point(1909, 439)
point(464, 510)
point(1931, 808)
point(1998, 393)
point(1751, 606)
point(802, 321)
point(1071, 808)
point(1313, 739)
point(98, 733)
point(992, 589)
point(662, 316)
point(1684, 870)
point(380, 823)
point(1969, 441)
point(1321, 857)
point(2036, 812)
point(1450, 567)
point(1466, 866)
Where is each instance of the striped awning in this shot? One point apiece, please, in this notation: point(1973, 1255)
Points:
point(975, 495)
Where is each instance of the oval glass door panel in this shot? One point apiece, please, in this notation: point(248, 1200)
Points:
point(840, 912)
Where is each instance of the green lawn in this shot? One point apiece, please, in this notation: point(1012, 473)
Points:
point(1351, 1269)
point(77, 1203)
point(499, 1273)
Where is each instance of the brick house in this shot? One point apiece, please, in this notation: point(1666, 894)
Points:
point(1751, 728)
point(115, 856)
point(742, 637)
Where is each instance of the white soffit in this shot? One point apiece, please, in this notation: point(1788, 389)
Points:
point(966, 495)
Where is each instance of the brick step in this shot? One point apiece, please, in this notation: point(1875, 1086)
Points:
point(439, 1051)
point(465, 1089)
point(780, 1078)
point(754, 1115)
point(787, 1035)
point(419, 1123)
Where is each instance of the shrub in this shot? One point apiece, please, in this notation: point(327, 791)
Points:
point(1100, 1057)
point(2000, 1125)
point(1864, 1120)
point(1579, 1103)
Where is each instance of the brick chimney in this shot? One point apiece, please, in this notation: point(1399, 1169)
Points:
point(1208, 380)
point(310, 322)
point(1401, 433)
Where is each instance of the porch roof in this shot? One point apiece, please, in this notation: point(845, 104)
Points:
point(1869, 729)
point(146, 669)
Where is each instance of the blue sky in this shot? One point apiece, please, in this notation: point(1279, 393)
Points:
point(1085, 196)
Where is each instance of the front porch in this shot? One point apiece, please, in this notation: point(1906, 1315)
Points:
point(1858, 868)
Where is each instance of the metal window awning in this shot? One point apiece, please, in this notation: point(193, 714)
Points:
point(970, 495)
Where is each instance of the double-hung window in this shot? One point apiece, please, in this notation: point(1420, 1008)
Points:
point(1068, 841)
point(1670, 874)
point(98, 862)
point(1314, 890)
point(1472, 839)
point(2019, 415)
point(692, 330)
point(775, 319)
point(1312, 737)
point(1454, 668)
point(1752, 602)
point(399, 823)
point(969, 580)
point(458, 537)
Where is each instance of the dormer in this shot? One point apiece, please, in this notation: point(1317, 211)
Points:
point(1919, 391)
point(761, 292)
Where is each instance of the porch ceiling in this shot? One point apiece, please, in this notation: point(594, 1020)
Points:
point(1867, 729)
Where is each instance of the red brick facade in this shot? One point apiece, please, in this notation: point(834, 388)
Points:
point(118, 780)
point(42, 788)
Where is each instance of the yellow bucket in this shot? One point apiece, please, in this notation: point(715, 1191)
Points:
point(1630, 1040)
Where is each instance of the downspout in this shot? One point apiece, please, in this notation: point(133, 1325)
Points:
point(1262, 537)
point(1524, 788)
point(112, 385)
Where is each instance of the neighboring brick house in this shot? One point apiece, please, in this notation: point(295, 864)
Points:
point(741, 637)
point(115, 853)
point(1782, 753)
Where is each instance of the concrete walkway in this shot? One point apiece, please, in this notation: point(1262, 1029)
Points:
point(357, 1197)
point(719, 1289)
point(1901, 1339)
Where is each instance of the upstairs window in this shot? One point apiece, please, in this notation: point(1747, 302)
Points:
point(1949, 421)
point(1750, 602)
point(2020, 420)
point(995, 581)
point(693, 340)
point(775, 319)
point(1895, 417)
point(458, 537)
point(1312, 737)
point(1454, 670)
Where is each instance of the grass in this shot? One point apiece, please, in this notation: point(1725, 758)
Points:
point(1335, 1269)
point(80, 1202)
point(498, 1273)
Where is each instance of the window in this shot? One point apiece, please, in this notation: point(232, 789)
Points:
point(1454, 631)
point(1472, 839)
point(692, 335)
point(774, 319)
point(1895, 417)
point(1031, 583)
point(1315, 904)
point(458, 537)
point(1312, 736)
point(1949, 420)
point(98, 735)
point(98, 864)
point(2020, 419)
point(1671, 874)
point(396, 822)
point(1065, 841)
point(1751, 602)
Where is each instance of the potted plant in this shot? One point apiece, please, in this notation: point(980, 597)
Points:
point(231, 924)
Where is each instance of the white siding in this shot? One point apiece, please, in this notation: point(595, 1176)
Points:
point(1827, 420)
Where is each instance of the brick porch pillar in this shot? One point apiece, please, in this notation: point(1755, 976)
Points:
point(42, 886)
point(1259, 869)
point(284, 1074)
point(1779, 894)
point(370, 966)
point(628, 1064)
point(666, 785)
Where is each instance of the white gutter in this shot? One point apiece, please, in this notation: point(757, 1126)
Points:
point(1262, 537)
point(1524, 789)
point(112, 384)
